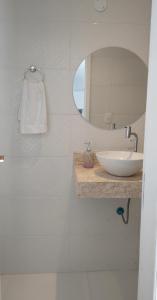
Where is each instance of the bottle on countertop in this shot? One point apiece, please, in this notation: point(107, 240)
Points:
point(88, 157)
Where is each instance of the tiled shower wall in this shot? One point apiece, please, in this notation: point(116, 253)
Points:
point(43, 226)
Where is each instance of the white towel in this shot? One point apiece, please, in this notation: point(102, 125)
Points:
point(32, 113)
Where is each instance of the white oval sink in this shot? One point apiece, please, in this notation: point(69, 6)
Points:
point(120, 163)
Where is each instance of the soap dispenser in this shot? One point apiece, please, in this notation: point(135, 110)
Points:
point(88, 157)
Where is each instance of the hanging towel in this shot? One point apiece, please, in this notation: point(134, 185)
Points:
point(32, 112)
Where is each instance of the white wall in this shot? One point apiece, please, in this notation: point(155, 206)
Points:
point(43, 226)
point(148, 247)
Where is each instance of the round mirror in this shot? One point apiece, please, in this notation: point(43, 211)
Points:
point(110, 88)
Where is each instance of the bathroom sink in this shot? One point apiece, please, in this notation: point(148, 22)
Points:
point(120, 163)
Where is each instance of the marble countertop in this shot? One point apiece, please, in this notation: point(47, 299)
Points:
point(97, 183)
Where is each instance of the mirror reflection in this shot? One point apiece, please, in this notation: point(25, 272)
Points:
point(110, 88)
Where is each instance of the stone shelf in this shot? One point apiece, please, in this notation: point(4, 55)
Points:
point(97, 183)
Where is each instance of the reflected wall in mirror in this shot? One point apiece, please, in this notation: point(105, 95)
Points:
point(110, 88)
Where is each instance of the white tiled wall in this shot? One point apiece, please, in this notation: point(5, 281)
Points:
point(43, 226)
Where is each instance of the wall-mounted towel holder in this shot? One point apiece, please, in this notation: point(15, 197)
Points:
point(33, 69)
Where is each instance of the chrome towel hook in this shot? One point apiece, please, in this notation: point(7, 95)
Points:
point(33, 69)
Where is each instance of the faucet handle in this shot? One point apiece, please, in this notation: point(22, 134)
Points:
point(127, 131)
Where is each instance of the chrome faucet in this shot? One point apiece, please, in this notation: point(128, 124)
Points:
point(129, 133)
